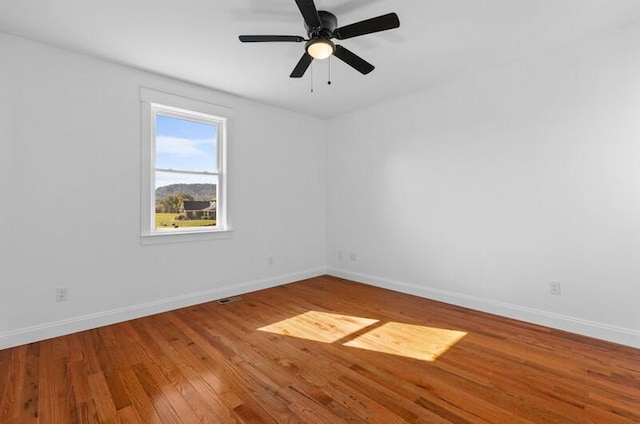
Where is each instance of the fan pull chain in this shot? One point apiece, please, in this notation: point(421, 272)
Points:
point(329, 81)
point(312, 77)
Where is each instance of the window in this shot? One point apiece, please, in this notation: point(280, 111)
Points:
point(184, 163)
point(186, 171)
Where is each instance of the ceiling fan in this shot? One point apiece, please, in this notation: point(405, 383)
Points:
point(321, 27)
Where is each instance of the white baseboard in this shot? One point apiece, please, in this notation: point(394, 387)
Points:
point(625, 336)
point(610, 333)
point(72, 325)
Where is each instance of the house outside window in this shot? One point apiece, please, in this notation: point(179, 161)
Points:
point(184, 165)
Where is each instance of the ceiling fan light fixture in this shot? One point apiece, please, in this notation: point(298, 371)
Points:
point(320, 48)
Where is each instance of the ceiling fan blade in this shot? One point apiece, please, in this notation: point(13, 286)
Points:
point(309, 13)
point(353, 60)
point(268, 38)
point(380, 23)
point(302, 66)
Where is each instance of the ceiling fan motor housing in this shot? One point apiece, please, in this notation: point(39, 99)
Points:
point(328, 24)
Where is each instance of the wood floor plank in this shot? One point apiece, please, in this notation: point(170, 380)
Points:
point(323, 350)
point(105, 352)
point(105, 406)
point(140, 401)
point(207, 400)
point(129, 415)
point(30, 389)
point(13, 385)
point(57, 394)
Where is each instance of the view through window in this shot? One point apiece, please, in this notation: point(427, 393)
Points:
point(186, 171)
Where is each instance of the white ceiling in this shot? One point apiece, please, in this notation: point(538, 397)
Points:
point(197, 41)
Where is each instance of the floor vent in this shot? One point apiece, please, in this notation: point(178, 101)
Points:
point(228, 300)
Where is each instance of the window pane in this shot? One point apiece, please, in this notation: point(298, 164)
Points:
point(185, 200)
point(185, 145)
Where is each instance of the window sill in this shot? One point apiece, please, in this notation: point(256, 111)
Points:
point(160, 237)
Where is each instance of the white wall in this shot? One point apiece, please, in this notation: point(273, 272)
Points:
point(482, 191)
point(6, 134)
point(70, 131)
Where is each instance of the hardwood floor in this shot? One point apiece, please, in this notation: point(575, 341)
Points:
point(323, 350)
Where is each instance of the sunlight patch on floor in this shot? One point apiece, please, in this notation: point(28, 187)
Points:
point(411, 341)
point(319, 326)
point(394, 338)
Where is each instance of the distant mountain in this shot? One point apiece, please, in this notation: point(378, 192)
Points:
point(197, 191)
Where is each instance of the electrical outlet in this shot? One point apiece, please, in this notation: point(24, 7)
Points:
point(554, 287)
point(62, 294)
point(340, 254)
point(353, 256)
point(270, 260)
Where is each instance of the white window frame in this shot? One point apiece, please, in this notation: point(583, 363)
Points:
point(154, 102)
